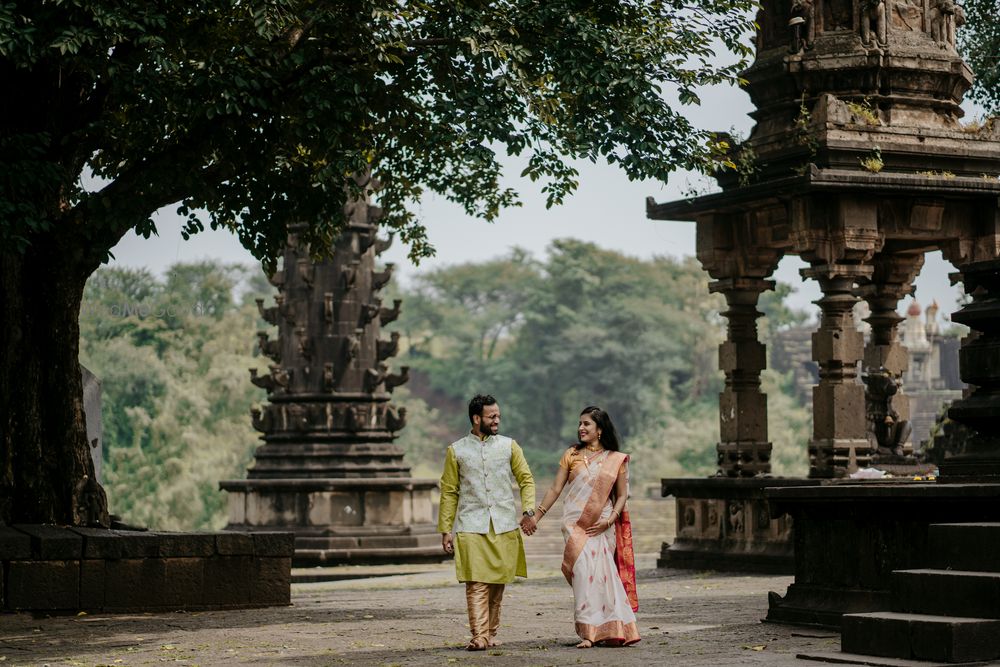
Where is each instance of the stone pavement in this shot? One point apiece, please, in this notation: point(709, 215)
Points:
point(415, 615)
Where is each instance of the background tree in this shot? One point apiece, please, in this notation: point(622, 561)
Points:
point(979, 42)
point(251, 114)
point(172, 355)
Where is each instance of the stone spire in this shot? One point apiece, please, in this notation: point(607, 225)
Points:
point(330, 382)
point(328, 469)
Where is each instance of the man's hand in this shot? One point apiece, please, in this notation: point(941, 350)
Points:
point(528, 524)
point(447, 544)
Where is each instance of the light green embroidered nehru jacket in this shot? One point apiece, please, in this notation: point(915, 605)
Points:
point(477, 503)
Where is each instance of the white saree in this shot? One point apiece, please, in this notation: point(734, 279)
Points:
point(603, 611)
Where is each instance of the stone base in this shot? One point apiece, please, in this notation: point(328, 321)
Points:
point(339, 521)
point(53, 569)
point(724, 524)
point(850, 535)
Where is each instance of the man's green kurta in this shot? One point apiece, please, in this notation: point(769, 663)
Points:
point(476, 498)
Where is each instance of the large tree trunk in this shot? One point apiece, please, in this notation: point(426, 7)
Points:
point(46, 473)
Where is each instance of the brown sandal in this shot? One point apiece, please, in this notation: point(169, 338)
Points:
point(478, 644)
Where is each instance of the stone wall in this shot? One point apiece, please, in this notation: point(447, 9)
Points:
point(55, 569)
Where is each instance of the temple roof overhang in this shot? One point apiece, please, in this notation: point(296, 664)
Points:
point(821, 181)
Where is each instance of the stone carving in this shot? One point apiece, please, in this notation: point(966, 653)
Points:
point(269, 315)
point(907, 15)
point(281, 376)
point(352, 347)
point(838, 15)
point(352, 419)
point(945, 17)
point(328, 307)
point(393, 380)
point(734, 515)
point(803, 25)
point(261, 420)
point(269, 348)
point(303, 344)
point(266, 382)
point(338, 359)
point(873, 21)
point(381, 245)
point(306, 270)
point(348, 275)
point(395, 418)
point(388, 348)
point(366, 240)
point(888, 431)
point(370, 311)
point(381, 278)
point(277, 279)
point(375, 376)
point(387, 315)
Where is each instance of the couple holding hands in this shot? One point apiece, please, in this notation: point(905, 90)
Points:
point(478, 506)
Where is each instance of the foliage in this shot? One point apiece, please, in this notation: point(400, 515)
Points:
point(585, 326)
point(873, 162)
point(251, 114)
point(172, 356)
point(979, 43)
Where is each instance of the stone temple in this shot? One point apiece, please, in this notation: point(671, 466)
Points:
point(859, 164)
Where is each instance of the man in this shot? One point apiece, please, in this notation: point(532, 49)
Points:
point(477, 503)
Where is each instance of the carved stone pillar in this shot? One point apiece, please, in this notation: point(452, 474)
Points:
point(840, 442)
point(885, 358)
point(743, 449)
point(979, 364)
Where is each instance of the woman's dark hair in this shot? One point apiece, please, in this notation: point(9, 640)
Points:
point(478, 402)
point(609, 436)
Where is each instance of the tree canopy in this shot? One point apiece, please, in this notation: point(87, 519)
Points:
point(252, 113)
point(255, 114)
point(979, 40)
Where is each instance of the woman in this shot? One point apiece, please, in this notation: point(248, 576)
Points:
point(598, 560)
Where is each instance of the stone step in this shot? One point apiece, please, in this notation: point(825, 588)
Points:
point(957, 593)
point(921, 637)
point(964, 546)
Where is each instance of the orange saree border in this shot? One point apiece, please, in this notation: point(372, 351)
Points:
point(592, 512)
point(611, 633)
point(625, 558)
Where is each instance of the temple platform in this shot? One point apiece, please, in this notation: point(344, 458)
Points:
point(725, 524)
point(851, 535)
point(342, 520)
point(54, 569)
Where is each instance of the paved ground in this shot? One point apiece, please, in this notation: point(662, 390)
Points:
point(416, 616)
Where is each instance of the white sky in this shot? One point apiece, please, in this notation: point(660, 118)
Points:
point(607, 210)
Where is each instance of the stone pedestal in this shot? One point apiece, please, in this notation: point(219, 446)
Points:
point(337, 521)
point(725, 524)
point(850, 536)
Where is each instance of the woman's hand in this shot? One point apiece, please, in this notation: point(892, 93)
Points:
point(598, 528)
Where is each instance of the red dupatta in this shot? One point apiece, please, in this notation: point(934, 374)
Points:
point(624, 553)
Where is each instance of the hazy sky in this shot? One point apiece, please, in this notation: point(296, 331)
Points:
point(607, 210)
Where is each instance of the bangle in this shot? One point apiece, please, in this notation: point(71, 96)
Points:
point(541, 510)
